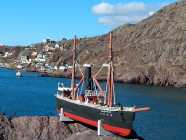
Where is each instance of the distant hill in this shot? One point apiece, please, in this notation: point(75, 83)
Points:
point(151, 52)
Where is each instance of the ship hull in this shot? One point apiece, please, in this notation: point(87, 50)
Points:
point(118, 122)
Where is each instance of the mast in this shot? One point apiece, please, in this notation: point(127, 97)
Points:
point(110, 75)
point(73, 94)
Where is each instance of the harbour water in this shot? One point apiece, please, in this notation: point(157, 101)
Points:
point(34, 95)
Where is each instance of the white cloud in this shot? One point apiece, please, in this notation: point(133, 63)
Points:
point(122, 13)
point(103, 8)
point(106, 8)
point(151, 13)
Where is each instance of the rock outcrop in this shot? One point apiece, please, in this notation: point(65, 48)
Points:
point(36, 128)
point(45, 128)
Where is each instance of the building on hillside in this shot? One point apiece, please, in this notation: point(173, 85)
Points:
point(25, 59)
point(48, 48)
point(6, 54)
point(55, 68)
point(34, 55)
point(41, 58)
point(57, 46)
point(62, 68)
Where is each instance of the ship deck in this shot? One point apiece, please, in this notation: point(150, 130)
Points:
point(97, 106)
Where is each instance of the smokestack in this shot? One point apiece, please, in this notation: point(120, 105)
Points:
point(88, 77)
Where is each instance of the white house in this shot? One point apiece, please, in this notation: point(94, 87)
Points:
point(7, 54)
point(57, 46)
point(25, 60)
point(40, 58)
point(62, 68)
point(55, 68)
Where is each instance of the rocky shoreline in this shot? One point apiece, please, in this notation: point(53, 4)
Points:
point(45, 128)
point(142, 78)
point(36, 128)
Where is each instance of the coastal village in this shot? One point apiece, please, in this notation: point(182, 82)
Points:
point(40, 57)
point(51, 57)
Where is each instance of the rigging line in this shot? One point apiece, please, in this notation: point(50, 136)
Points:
point(74, 69)
point(95, 88)
point(106, 89)
point(79, 68)
point(99, 71)
point(108, 86)
point(97, 83)
point(114, 95)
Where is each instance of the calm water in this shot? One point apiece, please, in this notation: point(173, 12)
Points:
point(34, 95)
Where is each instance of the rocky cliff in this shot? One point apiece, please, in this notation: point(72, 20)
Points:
point(150, 52)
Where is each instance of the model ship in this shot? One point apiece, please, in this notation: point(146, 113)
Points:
point(87, 101)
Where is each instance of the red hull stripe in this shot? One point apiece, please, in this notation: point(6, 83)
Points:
point(81, 119)
point(120, 131)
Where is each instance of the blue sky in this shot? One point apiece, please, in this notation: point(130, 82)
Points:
point(29, 21)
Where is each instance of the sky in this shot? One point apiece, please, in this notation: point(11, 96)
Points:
point(23, 22)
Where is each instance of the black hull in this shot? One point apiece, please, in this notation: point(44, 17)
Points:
point(121, 121)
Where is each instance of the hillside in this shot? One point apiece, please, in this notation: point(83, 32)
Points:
point(151, 52)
